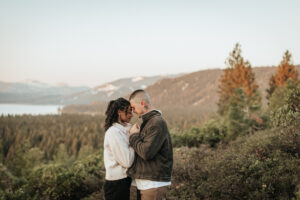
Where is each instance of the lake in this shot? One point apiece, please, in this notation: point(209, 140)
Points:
point(20, 109)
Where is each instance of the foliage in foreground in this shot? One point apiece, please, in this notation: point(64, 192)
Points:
point(265, 165)
point(56, 180)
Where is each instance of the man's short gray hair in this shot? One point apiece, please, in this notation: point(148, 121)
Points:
point(140, 95)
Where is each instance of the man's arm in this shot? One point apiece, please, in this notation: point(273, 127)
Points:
point(148, 147)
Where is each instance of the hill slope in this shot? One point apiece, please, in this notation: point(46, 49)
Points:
point(34, 92)
point(193, 95)
point(111, 90)
point(199, 90)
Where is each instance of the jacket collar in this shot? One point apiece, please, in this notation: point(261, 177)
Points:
point(150, 114)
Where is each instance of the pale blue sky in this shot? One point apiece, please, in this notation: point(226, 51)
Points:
point(90, 42)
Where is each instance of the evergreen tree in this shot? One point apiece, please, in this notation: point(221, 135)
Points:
point(33, 158)
point(235, 116)
point(17, 163)
point(62, 156)
point(272, 87)
point(286, 70)
point(238, 74)
point(1, 151)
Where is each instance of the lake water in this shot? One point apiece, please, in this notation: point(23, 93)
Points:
point(20, 109)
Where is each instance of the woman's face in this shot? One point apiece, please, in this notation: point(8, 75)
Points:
point(126, 115)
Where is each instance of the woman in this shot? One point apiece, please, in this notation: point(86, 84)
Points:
point(118, 156)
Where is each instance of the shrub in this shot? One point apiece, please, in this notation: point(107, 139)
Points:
point(190, 138)
point(60, 182)
point(259, 166)
point(213, 131)
point(55, 181)
point(286, 111)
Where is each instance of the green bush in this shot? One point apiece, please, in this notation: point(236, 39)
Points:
point(285, 106)
point(186, 171)
point(213, 132)
point(55, 181)
point(260, 166)
point(256, 172)
point(61, 182)
point(236, 121)
point(189, 138)
point(8, 183)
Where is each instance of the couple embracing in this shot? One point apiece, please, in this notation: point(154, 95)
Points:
point(141, 156)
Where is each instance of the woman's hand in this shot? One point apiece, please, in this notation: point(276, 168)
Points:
point(134, 129)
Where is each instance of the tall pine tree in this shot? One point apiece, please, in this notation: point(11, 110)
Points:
point(238, 74)
point(286, 70)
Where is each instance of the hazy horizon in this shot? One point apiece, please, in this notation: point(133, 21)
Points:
point(84, 43)
point(91, 86)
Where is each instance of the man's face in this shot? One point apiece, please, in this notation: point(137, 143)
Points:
point(137, 108)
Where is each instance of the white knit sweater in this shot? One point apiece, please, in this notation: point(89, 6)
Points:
point(118, 156)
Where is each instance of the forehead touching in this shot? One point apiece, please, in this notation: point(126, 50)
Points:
point(128, 109)
point(133, 103)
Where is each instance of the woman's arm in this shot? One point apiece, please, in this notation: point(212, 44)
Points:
point(121, 151)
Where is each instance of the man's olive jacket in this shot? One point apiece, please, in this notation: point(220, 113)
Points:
point(153, 149)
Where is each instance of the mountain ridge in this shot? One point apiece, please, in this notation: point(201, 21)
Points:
point(36, 92)
point(194, 93)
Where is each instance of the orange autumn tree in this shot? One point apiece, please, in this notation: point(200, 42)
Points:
point(238, 74)
point(286, 70)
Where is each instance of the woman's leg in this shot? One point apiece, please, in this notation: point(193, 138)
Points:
point(118, 189)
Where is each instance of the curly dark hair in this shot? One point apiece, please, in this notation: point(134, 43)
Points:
point(113, 107)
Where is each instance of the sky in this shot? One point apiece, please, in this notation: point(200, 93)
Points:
point(90, 42)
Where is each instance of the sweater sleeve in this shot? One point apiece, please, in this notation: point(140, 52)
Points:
point(122, 152)
point(149, 146)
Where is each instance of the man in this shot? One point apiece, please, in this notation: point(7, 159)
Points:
point(153, 164)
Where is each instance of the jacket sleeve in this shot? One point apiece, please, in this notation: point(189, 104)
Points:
point(121, 151)
point(149, 146)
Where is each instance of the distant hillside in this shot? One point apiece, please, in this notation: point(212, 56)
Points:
point(34, 92)
point(191, 95)
point(112, 90)
point(199, 90)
